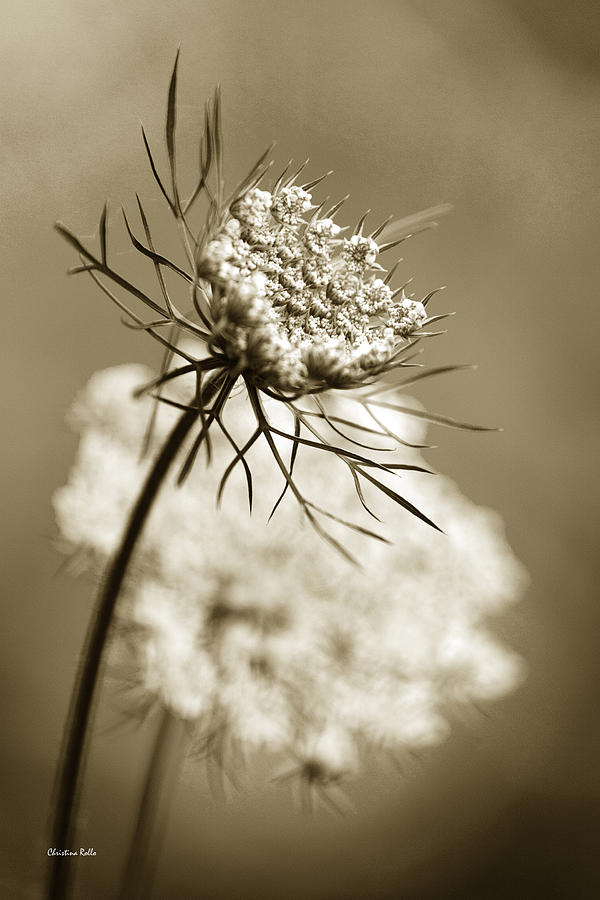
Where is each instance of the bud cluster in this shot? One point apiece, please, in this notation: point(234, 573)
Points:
point(320, 315)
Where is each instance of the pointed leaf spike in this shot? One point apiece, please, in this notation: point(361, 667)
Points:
point(399, 499)
point(155, 171)
point(316, 181)
point(208, 142)
point(337, 206)
point(360, 223)
point(291, 468)
point(318, 210)
point(377, 232)
point(432, 417)
point(402, 288)
point(391, 272)
point(279, 181)
point(258, 171)
point(155, 257)
point(171, 122)
point(390, 244)
point(102, 230)
point(218, 142)
point(298, 172)
point(426, 299)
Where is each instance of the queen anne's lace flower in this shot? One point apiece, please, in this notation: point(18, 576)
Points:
point(319, 294)
point(277, 298)
point(264, 638)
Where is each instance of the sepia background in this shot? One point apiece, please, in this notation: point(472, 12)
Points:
point(491, 106)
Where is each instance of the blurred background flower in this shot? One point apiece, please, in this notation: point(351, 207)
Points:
point(489, 106)
point(257, 632)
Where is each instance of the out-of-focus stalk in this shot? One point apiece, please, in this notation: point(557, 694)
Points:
point(159, 784)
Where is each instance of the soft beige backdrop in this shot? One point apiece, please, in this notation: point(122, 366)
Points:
point(491, 106)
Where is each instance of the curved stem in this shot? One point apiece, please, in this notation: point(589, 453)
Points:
point(153, 811)
point(74, 740)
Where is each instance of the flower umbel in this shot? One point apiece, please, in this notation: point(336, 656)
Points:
point(277, 298)
point(297, 308)
point(274, 647)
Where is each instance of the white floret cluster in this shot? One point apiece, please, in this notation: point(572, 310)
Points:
point(319, 314)
point(263, 637)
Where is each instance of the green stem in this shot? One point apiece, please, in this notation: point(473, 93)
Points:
point(82, 700)
point(159, 785)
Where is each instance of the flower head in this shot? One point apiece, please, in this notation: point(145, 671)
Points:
point(321, 298)
point(276, 300)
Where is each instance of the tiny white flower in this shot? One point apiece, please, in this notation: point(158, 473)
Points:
point(407, 316)
point(252, 208)
point(360, 252)
point(290, 204)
